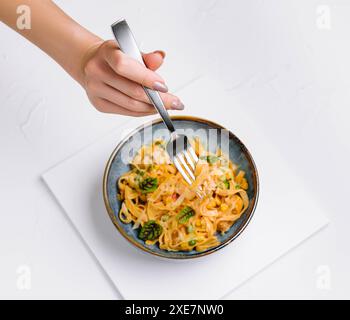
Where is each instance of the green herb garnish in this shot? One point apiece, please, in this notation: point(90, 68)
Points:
point(210, 159)
point(151, 231)
point(185, 215)
point(237, 187)
point(227, 184)
point(165, 218)
point(192, 243)
point(148, 185)
point(140, 172)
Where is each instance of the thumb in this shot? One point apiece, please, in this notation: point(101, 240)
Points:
point(154, 60)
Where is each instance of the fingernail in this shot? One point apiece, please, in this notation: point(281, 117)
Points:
point(161, 52)
point(160, 87)
point(177, 105)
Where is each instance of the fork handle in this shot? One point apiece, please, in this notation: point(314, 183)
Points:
point(127, 44)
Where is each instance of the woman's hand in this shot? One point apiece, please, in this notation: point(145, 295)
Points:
point(113, 81)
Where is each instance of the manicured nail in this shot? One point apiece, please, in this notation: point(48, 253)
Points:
point(161, 52)
point(177, 105)
point(160, 87)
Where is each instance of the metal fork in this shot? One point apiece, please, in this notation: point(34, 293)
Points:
point(179, 147)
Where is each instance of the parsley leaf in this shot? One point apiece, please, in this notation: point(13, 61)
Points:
point(151, 231)
point(227, 184)
point(148, 185)
point(185, 214)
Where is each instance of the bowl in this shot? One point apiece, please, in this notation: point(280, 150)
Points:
point(192, 126)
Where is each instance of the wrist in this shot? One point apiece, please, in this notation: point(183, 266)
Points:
point(89, 51)
point(85, 44)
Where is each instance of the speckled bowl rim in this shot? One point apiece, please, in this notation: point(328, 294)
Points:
point(200, 254)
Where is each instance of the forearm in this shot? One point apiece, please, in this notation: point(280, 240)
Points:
point(54, 32)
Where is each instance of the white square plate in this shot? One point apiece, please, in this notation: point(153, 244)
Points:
point(286, 214)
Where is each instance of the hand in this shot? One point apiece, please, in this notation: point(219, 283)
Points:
point(113, 81)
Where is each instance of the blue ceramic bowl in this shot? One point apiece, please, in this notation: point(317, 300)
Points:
point(200, 127)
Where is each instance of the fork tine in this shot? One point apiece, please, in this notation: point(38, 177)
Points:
point(182, 171)
point(190, 161)
point(185, 165)
point(200, 193)
point(193, 154)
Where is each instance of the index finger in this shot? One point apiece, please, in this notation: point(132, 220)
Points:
point(134, 70)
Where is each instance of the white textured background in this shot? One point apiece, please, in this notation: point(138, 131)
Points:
point(286, 61)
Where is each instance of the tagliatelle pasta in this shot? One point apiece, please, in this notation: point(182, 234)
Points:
point(168, 211)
